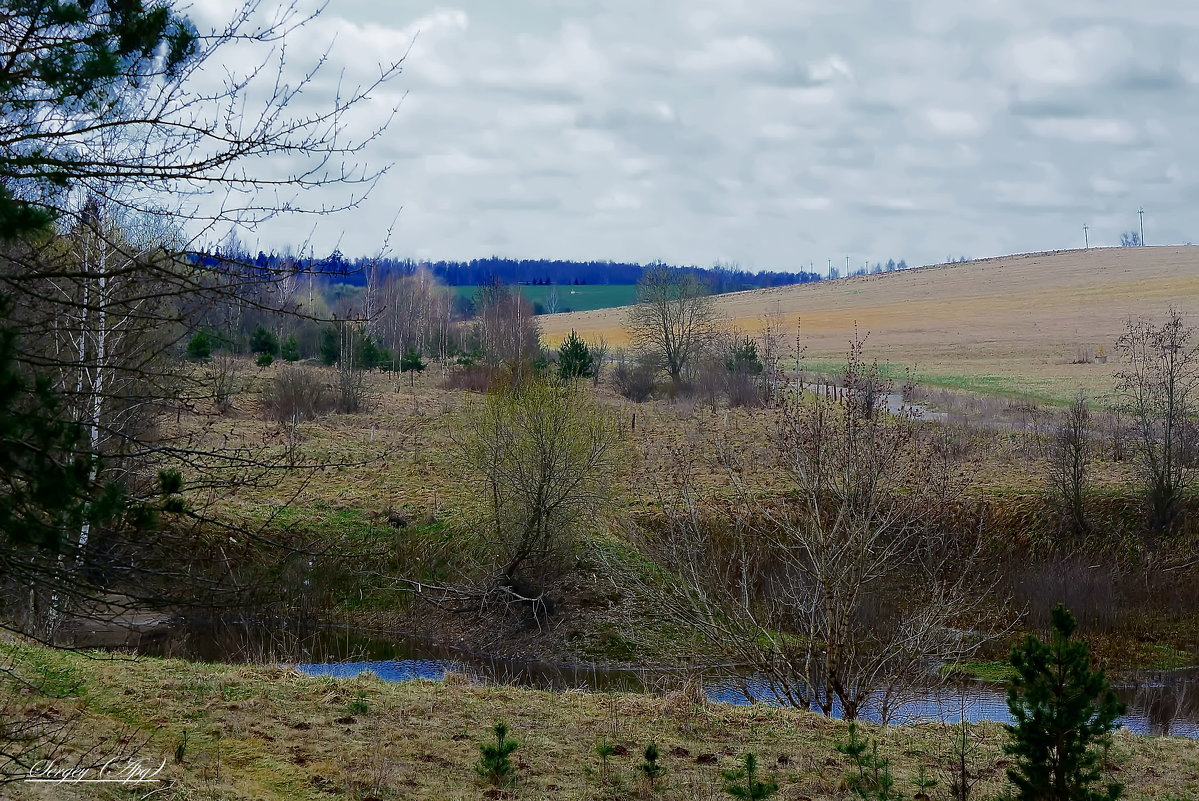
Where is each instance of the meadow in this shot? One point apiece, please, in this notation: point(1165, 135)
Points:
point(1036, 325)
point(267, 733)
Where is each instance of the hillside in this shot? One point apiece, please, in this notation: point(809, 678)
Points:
point(1009, 325)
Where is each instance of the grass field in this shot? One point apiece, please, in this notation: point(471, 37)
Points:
point(268, 733)
point(575, 298)
point(1011, 325)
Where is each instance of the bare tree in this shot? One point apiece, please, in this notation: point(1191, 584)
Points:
point(1069, 456)
point(1158, 388)
point(674, 318)
point(843, 592)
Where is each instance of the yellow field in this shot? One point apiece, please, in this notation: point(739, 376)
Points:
point(1010, 324)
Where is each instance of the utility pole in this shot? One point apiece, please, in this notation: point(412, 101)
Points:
point(847, 266)
point(1085, 238)
point(830, 268)
point(1142, 214)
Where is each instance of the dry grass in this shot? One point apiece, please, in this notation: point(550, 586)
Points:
point(271, 733)
point(1009, 324)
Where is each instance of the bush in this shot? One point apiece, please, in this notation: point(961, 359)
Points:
point(264, 360)
point(199, 347)
point(472, 378)
point(297, 394)
point(635, 382)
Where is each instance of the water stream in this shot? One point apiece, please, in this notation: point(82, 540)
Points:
point(1165, 703)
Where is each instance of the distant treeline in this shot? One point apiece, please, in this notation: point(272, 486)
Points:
point(480, 272)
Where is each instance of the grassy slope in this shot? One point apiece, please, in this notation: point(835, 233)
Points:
point(271, 733)
point(1008, 325)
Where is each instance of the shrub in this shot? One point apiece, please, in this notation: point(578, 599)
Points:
point(635, 382)
point(264, 360)
point(297, 394)
point(199, 347)
point(472, 377)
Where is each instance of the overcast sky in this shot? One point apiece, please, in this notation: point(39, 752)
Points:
point(775, 133)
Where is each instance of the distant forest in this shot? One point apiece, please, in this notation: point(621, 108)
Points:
point(478, 272)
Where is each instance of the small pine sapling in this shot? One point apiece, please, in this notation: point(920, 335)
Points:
point(604, 750)
point(923, 783)
point(650, 767)
point(872, 779)
point(494, 764)
point(743, 783)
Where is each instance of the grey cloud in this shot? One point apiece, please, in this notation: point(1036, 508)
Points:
point(782, 132)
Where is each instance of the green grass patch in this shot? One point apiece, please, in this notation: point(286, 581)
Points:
point(1042, 391)
point(996, 672)
point(587, 297)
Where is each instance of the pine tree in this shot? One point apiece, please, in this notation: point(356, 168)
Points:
point(199, 347)
point(411, 360)
point(263, 341)
point(651, 768)
point(744, 359)
point(494, 764)
point(290, 349)
point(1064, 713)
point(574, 358)
point(330, 345)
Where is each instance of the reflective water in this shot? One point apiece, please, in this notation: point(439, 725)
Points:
point(1165, 703)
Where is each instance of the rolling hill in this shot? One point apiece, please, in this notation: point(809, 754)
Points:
point(1010, 325)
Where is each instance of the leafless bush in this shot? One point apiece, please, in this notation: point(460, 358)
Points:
point(599, 359)
point(296, 395)
point(635, 381)
point(221, 375)
point(472, 377)
point(352, 392)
